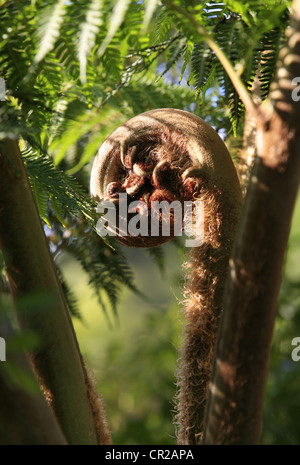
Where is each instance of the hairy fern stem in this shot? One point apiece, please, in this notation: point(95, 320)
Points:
point(206, 271)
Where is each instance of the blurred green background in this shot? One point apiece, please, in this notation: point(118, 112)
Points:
point(134, 355)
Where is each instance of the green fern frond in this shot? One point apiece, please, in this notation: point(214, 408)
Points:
point(67, 56)
point(143, 95)
point(242, 9)
point(87, 36)
point(115, 22)
point(269, 46)
point(112, 59)
point(70, 297)
point(106, 269)
point(73, 132)
point(65, 195)
point(57, 123)
point(189, 48)
point(150, 7)
point(143, 61)
point(201, 63)
point(175, 52)
point(163, 25)
point(48, 31)
point(236, 110)
point(210, 82)
point(41, 200)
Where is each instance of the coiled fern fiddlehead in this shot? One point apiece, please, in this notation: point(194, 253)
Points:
point(173, 155)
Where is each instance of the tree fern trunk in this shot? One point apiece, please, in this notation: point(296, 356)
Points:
point(235, 408)
point(41, 307)
point(25, 416)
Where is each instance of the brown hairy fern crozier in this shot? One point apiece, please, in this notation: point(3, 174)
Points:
point(169, 154)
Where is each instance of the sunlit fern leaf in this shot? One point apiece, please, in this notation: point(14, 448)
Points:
point(74, 130)
point(150, 7)
point(87, 36)
point(57, 123)
point(210, 82)
point(143, 95)
point(163, 25)
point(241, 8)
point(51, 21)
point(228, 34)
point(41, 200)
point(112, 59)
point(67, 54)
point(142, 64)
point(189, 47)
point(115, 22)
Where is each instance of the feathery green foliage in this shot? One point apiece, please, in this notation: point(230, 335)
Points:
point(75, 70)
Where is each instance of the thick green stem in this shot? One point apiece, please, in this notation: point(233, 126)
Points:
point(40, 303)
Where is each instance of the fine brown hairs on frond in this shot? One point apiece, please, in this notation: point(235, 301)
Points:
point(205, 278)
